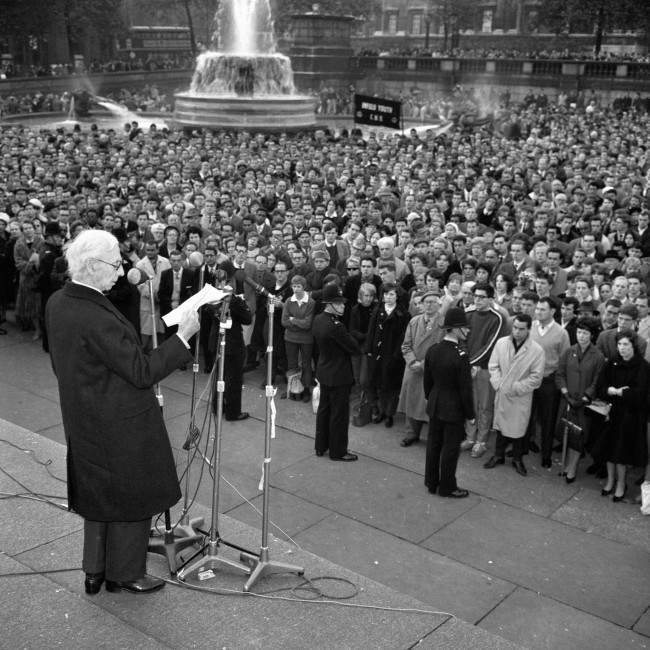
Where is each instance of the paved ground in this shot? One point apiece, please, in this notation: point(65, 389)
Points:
point(530, 562)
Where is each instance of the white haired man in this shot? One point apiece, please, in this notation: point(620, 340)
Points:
point(120, 465)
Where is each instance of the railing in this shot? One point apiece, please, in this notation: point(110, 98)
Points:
point(631, 70)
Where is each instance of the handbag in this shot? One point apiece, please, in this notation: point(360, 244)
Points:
point(315, 397)
point(645, 498)
point(364, 411)
point(295, 386)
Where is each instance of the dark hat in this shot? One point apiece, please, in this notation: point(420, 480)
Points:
point(455, 317)
point(52, 228)
point(228, 267)
point(332, 293)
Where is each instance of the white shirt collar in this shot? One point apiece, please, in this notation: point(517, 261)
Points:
point(88, 286)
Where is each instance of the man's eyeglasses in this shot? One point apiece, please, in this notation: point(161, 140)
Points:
point(116, 265)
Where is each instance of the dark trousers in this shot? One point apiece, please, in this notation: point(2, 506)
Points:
point(233, 376)
point(502, 442)
point(333, 419)
point(204, 340)
point(443, 449)
point(545, 403)
point(118, 549)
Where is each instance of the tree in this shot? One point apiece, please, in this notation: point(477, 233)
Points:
point(561, 16)
point(451, 14)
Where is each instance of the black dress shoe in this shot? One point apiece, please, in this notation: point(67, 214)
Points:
point(345, 458)
point(377, 418)
point(520, 467)
point(93, 583)
point(432, 489)
point(144, 585)
point(458, 493)
point(320, 453)
point(242, 416)
point(389, 421)
point(533, 446)
point(547, 463)
point(493, 462)
point(409, 440)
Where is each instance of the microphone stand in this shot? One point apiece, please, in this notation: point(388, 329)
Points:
point(262, 565)
point(188, 527)
point(203, 566)
point(166, 544)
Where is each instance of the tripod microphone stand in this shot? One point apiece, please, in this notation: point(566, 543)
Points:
point(167, 544)
point(262, 565)
point(204, 565)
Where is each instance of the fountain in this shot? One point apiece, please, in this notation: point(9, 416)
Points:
point(246, 83)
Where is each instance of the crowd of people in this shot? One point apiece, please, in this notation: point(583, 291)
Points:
point(148, 99)
point(12, 70)
point(492, 53)
point(541, 241)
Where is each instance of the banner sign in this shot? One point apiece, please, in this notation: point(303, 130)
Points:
point(375, 111)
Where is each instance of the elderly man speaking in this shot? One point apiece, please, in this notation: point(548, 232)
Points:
point(119, 462)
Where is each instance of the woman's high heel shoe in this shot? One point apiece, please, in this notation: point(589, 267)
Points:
point(569, 479)
point(606, 493)
point(616, 499)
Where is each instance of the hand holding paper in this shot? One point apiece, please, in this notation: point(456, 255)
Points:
point(207, 295)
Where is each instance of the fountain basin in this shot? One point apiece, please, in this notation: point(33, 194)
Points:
point(264, 113)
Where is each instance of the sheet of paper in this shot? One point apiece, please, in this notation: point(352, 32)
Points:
point(207, 295)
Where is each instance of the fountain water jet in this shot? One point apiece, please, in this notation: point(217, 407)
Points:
point(246, 83)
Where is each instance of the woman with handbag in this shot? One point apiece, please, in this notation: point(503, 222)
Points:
point(577, 377)
point(624, 383)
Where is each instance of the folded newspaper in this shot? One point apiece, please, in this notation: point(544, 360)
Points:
point(600, 407)
point(207, 295)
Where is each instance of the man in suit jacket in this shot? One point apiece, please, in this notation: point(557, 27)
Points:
point(120, 464)
point(448, 387)
point(627, 321)
point(334, 372)
point(177, 284)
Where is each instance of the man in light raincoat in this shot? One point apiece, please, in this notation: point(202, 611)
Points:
point(516, 369)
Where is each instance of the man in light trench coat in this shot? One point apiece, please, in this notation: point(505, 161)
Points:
point(421, 333)
point(516, 369)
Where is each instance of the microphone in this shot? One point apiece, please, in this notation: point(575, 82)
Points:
point(195, 259)
point(137, 276)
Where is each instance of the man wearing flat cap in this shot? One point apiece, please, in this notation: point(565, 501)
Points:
point(448, 387)
point(334, 372)
point(422, 331)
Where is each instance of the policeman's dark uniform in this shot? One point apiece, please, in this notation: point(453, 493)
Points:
point(334, 373)
point(448, 386)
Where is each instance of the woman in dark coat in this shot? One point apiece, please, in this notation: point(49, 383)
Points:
point(385, 360)
point(624, 383)
point(577, 377)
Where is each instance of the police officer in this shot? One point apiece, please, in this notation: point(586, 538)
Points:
point(448, 387)
point(334, 372)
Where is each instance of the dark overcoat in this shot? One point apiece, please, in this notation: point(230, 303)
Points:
point(624, 440)
point(384, 343)
point(119, 461)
